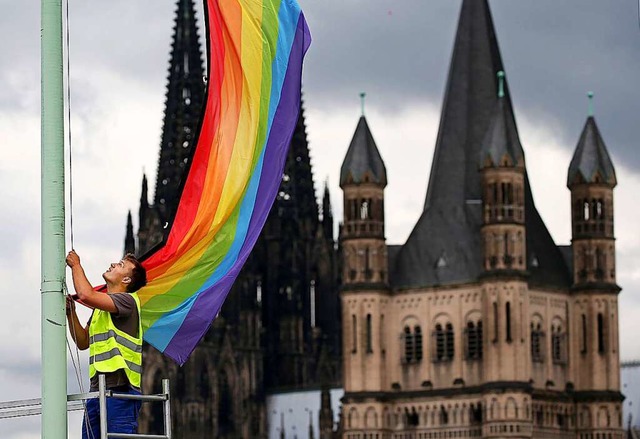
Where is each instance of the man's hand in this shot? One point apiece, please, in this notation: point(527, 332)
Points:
point(71, 305)
point(73, 259)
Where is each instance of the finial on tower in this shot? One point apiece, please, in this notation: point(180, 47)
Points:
point(501, 84)
point(590, 96)
point(362, 96)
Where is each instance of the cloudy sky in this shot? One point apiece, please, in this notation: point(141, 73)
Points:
point(395, 50)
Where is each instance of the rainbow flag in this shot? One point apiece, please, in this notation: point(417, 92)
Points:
point(255, 53)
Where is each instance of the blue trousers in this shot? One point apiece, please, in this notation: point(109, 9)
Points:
point(122, 416)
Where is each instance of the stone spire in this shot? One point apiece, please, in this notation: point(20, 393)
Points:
point(501, 145)
point(183, 104)
point(363, 162)
point(591, 162)
point(445, 246)
point(327, 214)
point(129, 240)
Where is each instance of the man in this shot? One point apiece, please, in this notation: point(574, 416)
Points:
point(114, 338)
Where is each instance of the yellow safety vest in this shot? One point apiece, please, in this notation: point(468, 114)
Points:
point(111, 349)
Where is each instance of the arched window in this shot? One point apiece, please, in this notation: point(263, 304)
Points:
point(449, 342)
point(369, 337)
point(537, 343)
point(601, 335)
point(417, 336)
point(364, 210)
point(354, 334)
point(495, 322)
point(507, 313)
point(584, 334)
point(558, 342)
point(408, 345)
point(439, 343)
point(585, 210)
point(473, 334)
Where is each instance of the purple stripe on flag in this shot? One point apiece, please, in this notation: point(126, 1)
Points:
point(210, 301)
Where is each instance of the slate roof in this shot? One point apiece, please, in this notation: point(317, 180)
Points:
point(363, 160)
point(591, 159)
point(445, 245)
point(501, 139)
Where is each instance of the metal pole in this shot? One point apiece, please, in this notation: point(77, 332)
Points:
point(167, 408)
point(54, 361)
point(102, 391)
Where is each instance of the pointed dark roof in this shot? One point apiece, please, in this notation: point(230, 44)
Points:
point(185, 95)
point(501, 140)
point(129, 240)
point(591, 162)
point(363, 161)
point(449, 227)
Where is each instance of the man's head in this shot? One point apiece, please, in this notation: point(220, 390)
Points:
point(127, 274)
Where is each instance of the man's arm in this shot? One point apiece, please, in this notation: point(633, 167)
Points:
point(85, 291)
point(79, 334)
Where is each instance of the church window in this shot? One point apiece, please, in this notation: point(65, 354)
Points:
point(495, 322)
point(354, 334)
point(444, 347)
point(364, 210)
point(557, 344)
point(508, 322)
point(474, 340)
point(601, 335)
point(417, 338)
point(440, 343)
point(449, 343)
point(408, 345)
point(537, 342)
point(382, 333)
point(369, 337)
point(585, 210)
point(584, 334)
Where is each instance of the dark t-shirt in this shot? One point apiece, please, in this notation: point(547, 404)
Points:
point(126, 320)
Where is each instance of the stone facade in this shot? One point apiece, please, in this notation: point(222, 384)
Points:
point(483, 327)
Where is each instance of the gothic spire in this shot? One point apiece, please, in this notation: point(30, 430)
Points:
point(184, 98)
point(129, 240)
point(327, 214)
point(296, 198)
point(591, 162)
point(451, 220)
point(363, 162)
point(501, 145)
point(144, 202)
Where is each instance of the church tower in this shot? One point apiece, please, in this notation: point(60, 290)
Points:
point(503, 282)
point(364, 294)
point(591, 179)
point(183, 106)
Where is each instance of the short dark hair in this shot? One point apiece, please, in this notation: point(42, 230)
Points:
point(138, 274)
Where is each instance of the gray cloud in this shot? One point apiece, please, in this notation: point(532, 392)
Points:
point(553, 52)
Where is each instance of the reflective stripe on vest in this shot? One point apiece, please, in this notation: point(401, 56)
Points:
point(119, 339)
point(111, 349)
point(112, 353)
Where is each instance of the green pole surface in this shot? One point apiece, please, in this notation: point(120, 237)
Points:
point(54, 360)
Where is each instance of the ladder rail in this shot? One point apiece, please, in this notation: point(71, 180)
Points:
point(75, 402)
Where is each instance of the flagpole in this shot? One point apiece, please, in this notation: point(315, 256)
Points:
point(53, 323)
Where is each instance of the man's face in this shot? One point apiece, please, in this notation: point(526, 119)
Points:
point(119, 272)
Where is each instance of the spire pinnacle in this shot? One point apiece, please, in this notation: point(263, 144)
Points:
point(590, 96)
point(501, 84)
point(362, 96)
